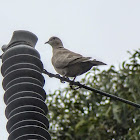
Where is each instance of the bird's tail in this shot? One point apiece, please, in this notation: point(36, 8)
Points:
point(96, 63)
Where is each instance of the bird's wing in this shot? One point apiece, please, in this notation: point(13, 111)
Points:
point(63, 57)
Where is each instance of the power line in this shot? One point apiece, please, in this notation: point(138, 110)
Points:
point(91, 89)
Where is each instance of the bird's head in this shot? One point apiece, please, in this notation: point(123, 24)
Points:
point(55, 42)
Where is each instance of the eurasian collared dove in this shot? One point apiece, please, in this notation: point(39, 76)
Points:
point(68, 63)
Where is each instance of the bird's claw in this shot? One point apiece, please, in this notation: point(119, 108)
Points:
point(57, 75)
point(65, 78)
point(62, 81)
point(74, 88)
point(61, 78)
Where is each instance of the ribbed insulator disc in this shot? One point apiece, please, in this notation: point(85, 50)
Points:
point(25, 86)
point(24, 94)
point(22, 101)
point(20, 49)
point(30, 132)
point(27, 115)
point(21, 58)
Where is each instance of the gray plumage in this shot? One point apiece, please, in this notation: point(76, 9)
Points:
point(68, 63)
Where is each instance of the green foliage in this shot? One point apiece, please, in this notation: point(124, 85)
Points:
point(84, 115)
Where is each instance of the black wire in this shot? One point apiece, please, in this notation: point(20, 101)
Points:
point(91, 89)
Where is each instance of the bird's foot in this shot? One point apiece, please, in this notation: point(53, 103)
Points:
point(61, 78)
point(64, 78)
point(72, 83)
point(74, 88)
point(57, 75)
point(62, 81)
point(67, 78)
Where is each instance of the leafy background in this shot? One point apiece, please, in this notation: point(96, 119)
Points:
point(85, 115)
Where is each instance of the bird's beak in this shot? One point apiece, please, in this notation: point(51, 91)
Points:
point(47, 42)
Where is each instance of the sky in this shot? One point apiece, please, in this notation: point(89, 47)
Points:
point(102, 29)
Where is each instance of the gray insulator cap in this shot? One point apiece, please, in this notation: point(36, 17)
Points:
point(19, 37)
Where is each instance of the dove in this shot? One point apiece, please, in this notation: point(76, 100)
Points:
point(68, 63)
